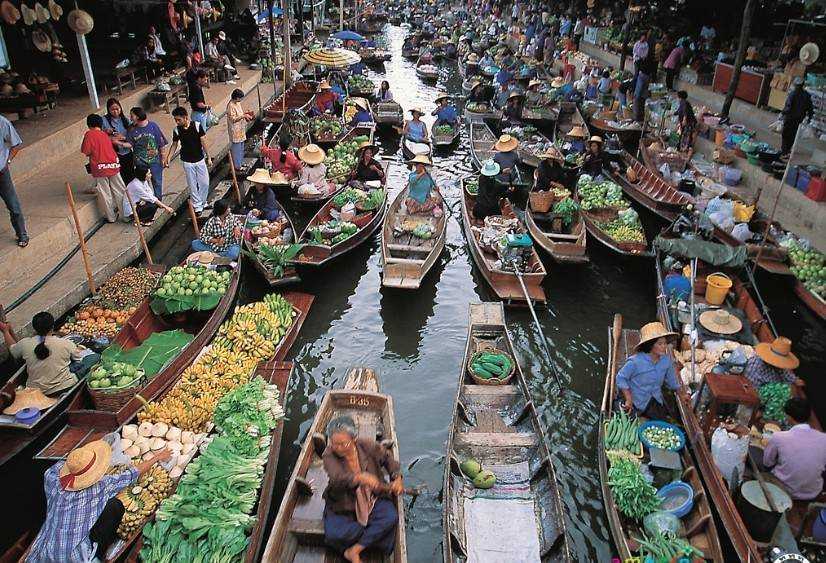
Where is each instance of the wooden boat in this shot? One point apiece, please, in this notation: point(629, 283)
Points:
point(529, 157)
point(314, 255)
point(370, 27)
point(701, 531)
point(811, 299)
point(568, 117)
point(504, 283)
point(409, 50)
point(298, 531)
point(290, 274)
point(298, 96)
point(628, 136)
point(406, 259)
point(540, 114)
point(426, 74)
point(595, 217)
point(563, 247)
point(651, 190)
point(490, 113)
point(15, 436)
point(390, 113)
point(410, 149)
point(374, 55)
point(482, 140)
point(446, 139)
point(498, 426)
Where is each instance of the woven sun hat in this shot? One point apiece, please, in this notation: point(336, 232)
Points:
point(311, 154)
point(420, 159)
point(367, 145)
point(490, 168)
point(720, 321)
point(278, 178)
point(55, 9)
point(516, 95)
point(29, 397)
point(441, 97)
point(809, 53)
point(85, 466)
point(222, 36)
point(654, 331)
point(558, 82)
point(534, 82)
point(506, 143)
point(9, 12)
point(596, 139)
point(474, 83)
point(778, 353)
point(324, 85)
point(417, 110)
point(261, 176)
point(360, 103)
point(80, 21)
point(473, 58)
point(577, 131)
point(41, 40)
point(552, 153)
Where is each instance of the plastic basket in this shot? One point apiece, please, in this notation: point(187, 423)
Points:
point(661, 424)
point(497, 381)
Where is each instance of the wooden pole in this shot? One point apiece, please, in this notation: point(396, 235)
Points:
point(194, 217)
point(745, 32)
point(288, 55)
point(234, 179)
point(83, 250)
point(138, 226)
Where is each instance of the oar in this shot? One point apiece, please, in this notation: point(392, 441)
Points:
point(538, 326)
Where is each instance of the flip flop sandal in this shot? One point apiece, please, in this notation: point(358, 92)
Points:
point(22, 243)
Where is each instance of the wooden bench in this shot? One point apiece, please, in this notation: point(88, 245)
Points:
point(176, 92)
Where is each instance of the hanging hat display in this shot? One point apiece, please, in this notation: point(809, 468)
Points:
point(42, 42)
point(55, 9)
point(42, 13)
point(80, 21)
point(29, 17)
point(9, 12)
point(809, 53)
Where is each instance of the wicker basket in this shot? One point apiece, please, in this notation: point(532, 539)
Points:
point(541, 201)
point(497, 381)
point(113, 400)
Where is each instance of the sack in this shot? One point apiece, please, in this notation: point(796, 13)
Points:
point(729, 452)
point(741, 232)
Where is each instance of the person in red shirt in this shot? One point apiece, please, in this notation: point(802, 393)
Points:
point(283, 159)
point(325, 100)
point(104, 168)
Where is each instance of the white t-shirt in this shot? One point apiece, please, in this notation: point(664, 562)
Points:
point(138, 191)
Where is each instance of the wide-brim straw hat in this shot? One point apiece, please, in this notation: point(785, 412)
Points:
point(417, 110)
point(222, 35)
point(534, 82)
point(506, 143)
point(324, 85)
point(596, 139)
point(29, 397)
point(42, 42)
point(720, 321)
point(261, 176)
point(204, 257)
point(367, 145)
point(441, 97)
point(654, 331)
point(778, 353)
point(513, 95)
point(9, 12)
point(558, 82)
point(80, 21)
point(420, 159)
point(85, 466)
point(552, 153)
point(577, 131)
point(279, 179)
point(55, 9)
point(809, 53)
point(359, 103)
point(490, 168)
point(311, 154)
point(474, 83)
point(473, 58)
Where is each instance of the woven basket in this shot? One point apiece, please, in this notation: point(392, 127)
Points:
point(541, 201)
point(498, 381)
point(112, 401)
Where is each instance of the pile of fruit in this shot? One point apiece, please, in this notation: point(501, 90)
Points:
point(140, 442)
point(491, 365)
point(622, 232)
point(478, 107)
point(482, 478)
point(350, 108)
point(113, 377)
point(226, 364)
point(663, 437)
point(341, 159)
point(361, 84)
point(185, 288)
point(621, 433)
point(127, 288)
point(141, 500)
point(809, 266)
point(326, 127)
point(595, 195)
point(443, 130)
point(633, 494)
point(332, 232)
point(773, 397)
point(266, 232)
point(92, 322)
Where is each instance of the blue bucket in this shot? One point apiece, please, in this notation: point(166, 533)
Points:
point(677, 498)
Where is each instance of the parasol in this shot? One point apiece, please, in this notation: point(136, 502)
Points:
point(348, 35)
point(333, 58)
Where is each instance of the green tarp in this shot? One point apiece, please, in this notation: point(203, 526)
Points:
point(709, 252)
point(152, 354)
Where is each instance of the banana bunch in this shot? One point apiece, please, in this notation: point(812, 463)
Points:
point(141, 500)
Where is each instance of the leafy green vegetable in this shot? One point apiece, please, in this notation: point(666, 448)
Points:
point(567, 208)
point(634, 496)
point(275, 258)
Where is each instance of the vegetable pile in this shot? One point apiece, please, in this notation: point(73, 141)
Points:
point(359, 83)
point(341, 159)
point(491, 365)
point(666, 546)
point(773, 397)
point(634, 496)
point(116, 376)
point(190, 288)
point(567, 208)
point(332, 232)
point(478, 107)
point(625, 228)
point(443, 130)
point(210, 515)
point(621, 433)
point(326, 127)
point(595, 195)
point(374, 200)
point(809, 266)
point(348, 195)
point(665, 438)
point(276, 257)
point(472, 185)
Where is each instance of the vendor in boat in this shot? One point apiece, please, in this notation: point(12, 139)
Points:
point(472, 65)
point(82, 509)
point(260, 201)
point(362, 114)
point(533, 96)
point(384, 94)
point(368, 169)
point(480, 93)
point(797, 456)
point(512, 114)
point(325, 100)
point(549, 171)
point(490, 193)
point(221, 233)
point(445, 113)
point(283, 158)
point(595, 158)
point(314, 171)
point(507, 158)
point(642, 377)
point(773, 363)
point(423, 194)
point(415, 129)
point(360, 512)
point(486, 61)
point(53, 364)
point(575, 138)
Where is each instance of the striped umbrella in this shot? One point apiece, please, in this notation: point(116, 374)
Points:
point(333, 58)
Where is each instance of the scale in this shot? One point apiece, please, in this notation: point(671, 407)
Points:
point(665, 459)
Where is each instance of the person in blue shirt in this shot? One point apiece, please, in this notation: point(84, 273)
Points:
point(641, 379)
point(445, 113)
point(676, 286)
point(361, 115)
point(423, 194)
point(415, 129)
point(486, 61)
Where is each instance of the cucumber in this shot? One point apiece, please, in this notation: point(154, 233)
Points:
point(482, 372)
point(493, 368)
point(498, 359)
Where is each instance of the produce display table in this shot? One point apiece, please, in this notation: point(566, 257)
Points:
point(753, 87)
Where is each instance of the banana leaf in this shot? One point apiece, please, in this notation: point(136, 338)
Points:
point(153, 353)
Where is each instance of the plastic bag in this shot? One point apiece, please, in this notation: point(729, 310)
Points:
point(741, 232)
point(725, 222)
point(806, 130)
point(729, 452)
point(661, 522)
point(211, 119)
point(720, 205)
point(776, 126)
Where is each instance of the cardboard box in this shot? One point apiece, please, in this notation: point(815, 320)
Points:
point(777, 99)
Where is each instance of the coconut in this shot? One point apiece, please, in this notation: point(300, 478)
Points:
point(160, 429)
point(145, 429)
point(130, 431)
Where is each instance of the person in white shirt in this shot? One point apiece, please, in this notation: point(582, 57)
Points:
point(140, 194)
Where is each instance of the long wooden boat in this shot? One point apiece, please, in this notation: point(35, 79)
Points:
point(446, 139)
point(504, 283)
point(409, 50)
point(389, 113)
point(16, 436)
point(651, 190)
point(411, 149)
point(812, 300)
point(406, 259)
point(298, 96)
point(298, 531)
point(595, 217)
point(628, 136)
point(701, 532)
point(563, 247)
point(482, 140)
point(498, 426)
point(568, 117)
point(290, 273)
point(527, 156)
point(314, 255)
point(426, 74)
point(540, 115)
